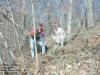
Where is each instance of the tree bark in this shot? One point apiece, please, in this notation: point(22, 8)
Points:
point(69, 19)
point(90, 13)
point(35, 38)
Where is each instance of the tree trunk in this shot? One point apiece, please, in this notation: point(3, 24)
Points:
point(85, 22)
point(90, 13)
point(35, 38)
point(69, 19)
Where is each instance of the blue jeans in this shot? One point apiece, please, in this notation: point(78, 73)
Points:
point(32, 46)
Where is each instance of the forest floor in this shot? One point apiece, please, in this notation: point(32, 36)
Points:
point(73, 59)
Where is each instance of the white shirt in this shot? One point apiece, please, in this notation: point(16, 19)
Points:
point(60, 35)
point(59, 31)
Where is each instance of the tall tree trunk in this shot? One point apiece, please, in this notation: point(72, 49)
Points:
point(59, 3)
point(23, 12)
point(85, 23)
point(90, 13)
point(35, 38)
point(69, 19)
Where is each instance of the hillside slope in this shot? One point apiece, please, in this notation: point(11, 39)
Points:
point(72, 59)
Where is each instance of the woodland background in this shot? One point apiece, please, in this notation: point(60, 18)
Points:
point(79, 18)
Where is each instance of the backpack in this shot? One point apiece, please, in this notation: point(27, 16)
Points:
point(38, 34)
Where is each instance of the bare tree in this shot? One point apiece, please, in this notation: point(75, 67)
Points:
point(35, 38)
point(18, 39)
point(85, 23)
point(69, 19)
point(90, 13)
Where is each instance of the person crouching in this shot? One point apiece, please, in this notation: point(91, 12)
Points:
point(40, 39)
point(59, 35)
